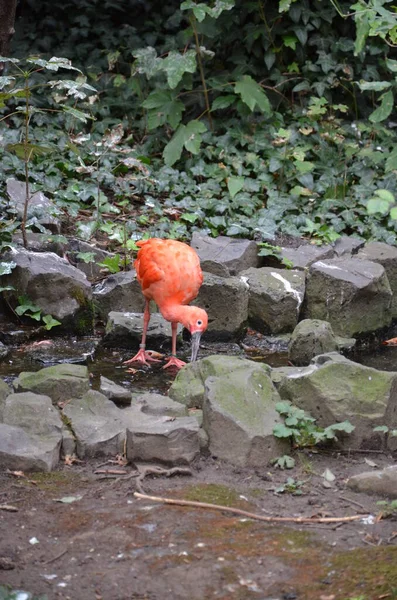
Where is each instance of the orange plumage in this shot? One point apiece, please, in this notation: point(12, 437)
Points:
point(169, 273)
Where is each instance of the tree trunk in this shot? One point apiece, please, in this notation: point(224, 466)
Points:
point(7, 19)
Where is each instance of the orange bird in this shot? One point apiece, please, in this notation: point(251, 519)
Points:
point(169, 273)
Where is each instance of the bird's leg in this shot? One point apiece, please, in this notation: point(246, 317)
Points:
point(142, 356)
point(174, 361)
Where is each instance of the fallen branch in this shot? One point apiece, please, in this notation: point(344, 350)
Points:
point(245, 513)
point(156, 470)
point(8, 508)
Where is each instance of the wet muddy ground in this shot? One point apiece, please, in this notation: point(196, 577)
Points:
point(80, 535)
point(102, 543)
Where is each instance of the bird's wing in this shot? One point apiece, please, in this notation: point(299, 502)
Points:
point(147, 269)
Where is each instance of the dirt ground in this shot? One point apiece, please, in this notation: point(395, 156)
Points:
point(103, 543)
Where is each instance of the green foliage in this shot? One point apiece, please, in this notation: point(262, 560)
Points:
point(28, 309)
point(301, 428)
point(389, 508)
point(291, 486)
point(284, 462)
point(228, 117)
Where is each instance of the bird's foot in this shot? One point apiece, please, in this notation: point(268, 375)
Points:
point(142, 356)
point(174, 362)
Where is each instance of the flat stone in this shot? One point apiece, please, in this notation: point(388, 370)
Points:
point(275, 298)
point(20, 451)
point(382, 482)
point(163, 439)
point(124, 330)
point(226, 302)
point(60, 382)
point(347, 245)
point(116, 393)
point(158, 405)
point(353, 295)
point(304, 256)
point(120, 293)
point(97, 424)
point(40, 242)
point(384, 255)
point(234, 254)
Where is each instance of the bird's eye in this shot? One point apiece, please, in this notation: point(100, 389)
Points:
point(199, 322)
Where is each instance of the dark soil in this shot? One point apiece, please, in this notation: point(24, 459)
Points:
point(110, 545)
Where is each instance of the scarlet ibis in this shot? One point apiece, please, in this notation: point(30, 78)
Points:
point(169, 273)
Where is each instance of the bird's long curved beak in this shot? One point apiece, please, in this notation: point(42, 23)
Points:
point(195, 345)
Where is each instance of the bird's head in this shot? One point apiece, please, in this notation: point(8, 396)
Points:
point(197, 323)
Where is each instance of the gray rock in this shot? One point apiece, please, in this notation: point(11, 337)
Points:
point(334, 389)
point(68, 442)
point(40, 242)
point(60, 382)
point(347, 245)
point(310, 338)
point(304, 256)
point(226, 301)
point(31, 433)
point(124, 330)
point(216, 268)
point(353, 295)
point(162, 439)
point(384, 255)
point(40, 207)
point(382, 482)
point(120, 292)
point(234, 254)
point(188, 386)
point(115, 393)
point(239, 415)
point(97, 425)
point(53, 284)
point(4, 392)
point(275, 298)
point(158, 405)
point(91, 269)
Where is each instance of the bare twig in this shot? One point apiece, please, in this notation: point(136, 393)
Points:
point(8, 508)
point(54, 558)
point(352, 502)
point(250, 515)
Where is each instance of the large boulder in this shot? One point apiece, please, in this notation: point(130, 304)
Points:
point(334, 389)
point(224, 256)
point(226, 301)
point(39, 207)
point(384, 255)
point(87, 257)
point(120, 292)
point(188, 386)
point(60, 382)
point(353, 295)
point(275, 298)
point(312, 337)
point(239, 416)
point(382, 482)
point(31, 433)
point(51, 283)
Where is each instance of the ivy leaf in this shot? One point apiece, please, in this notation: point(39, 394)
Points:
point(77, 114)
point(223, 102)
point(199, 10)
point(54, 64)
point(6, 80)
point(391, 65)
point(193, 132)
point(7, 267)
point(252, 94)
point(289, 41)
point(235, 185)
point(147, 61)
point(391, 161)
point(173, 150)
point(176, 65)
point(385, 108)
point(373, 86)
point(362, 27)
point(164, 108)
point(50, 322)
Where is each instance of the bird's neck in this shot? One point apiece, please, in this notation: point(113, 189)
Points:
point(176, 313)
